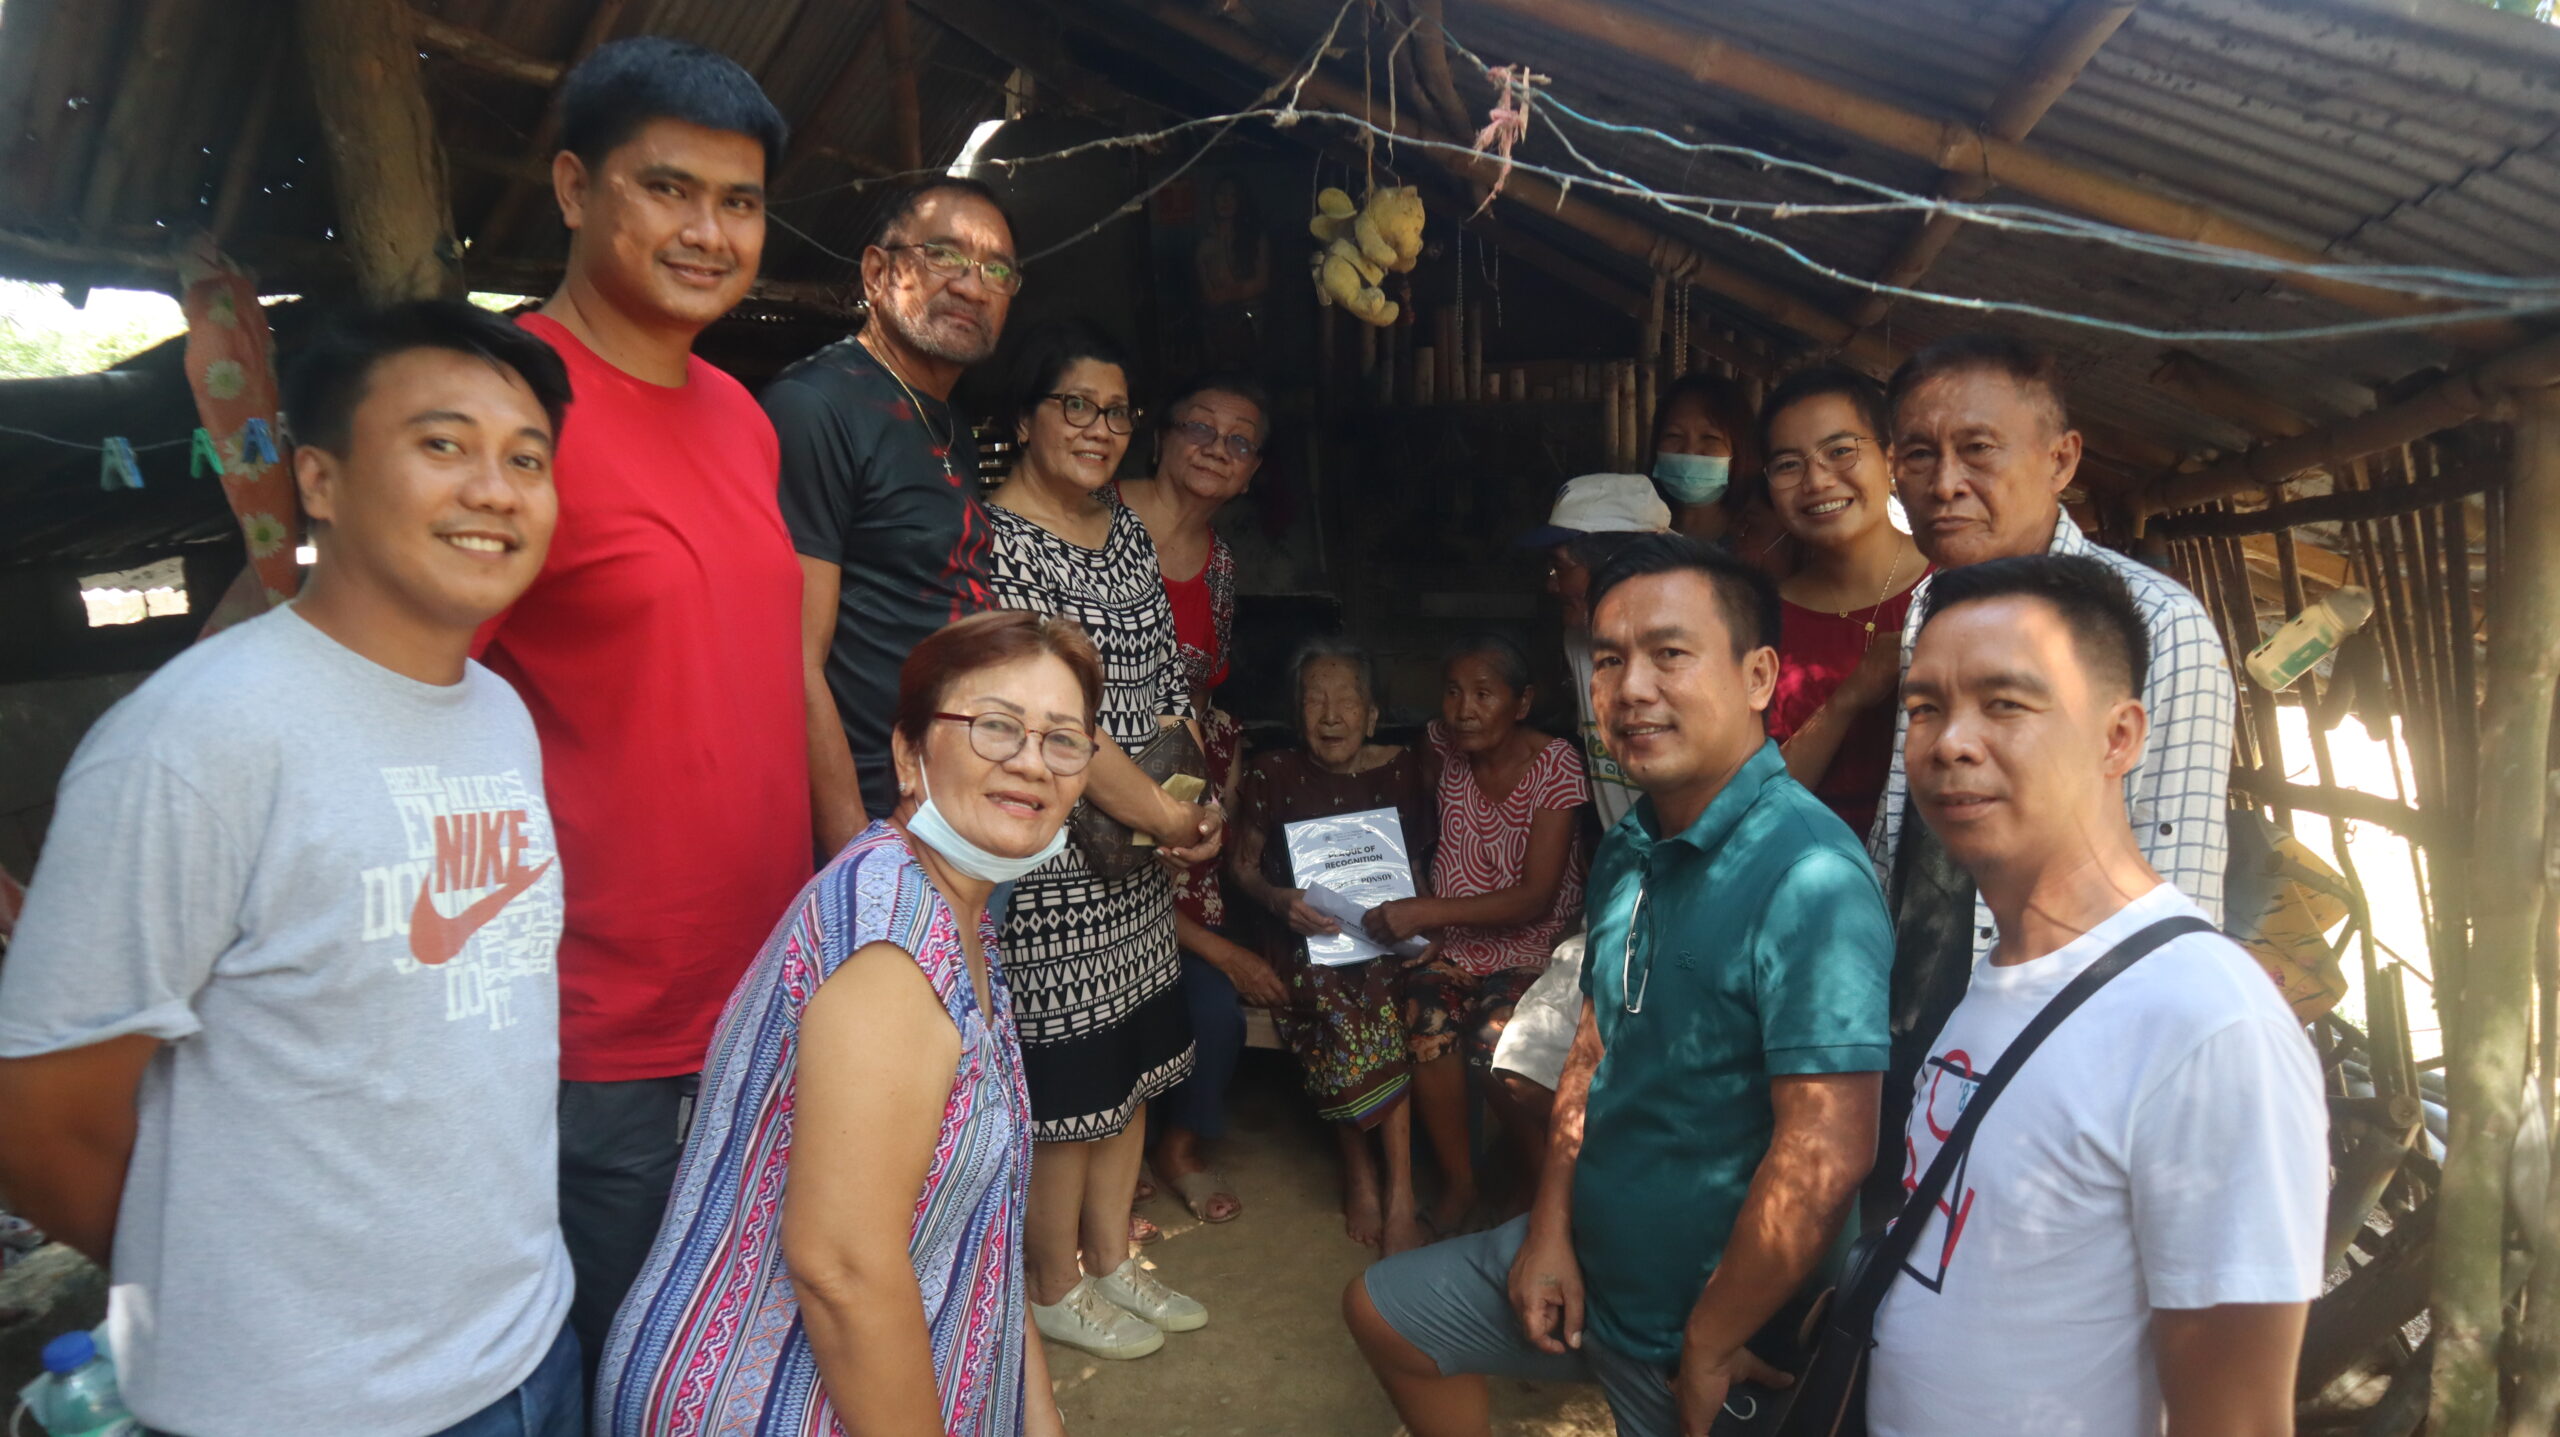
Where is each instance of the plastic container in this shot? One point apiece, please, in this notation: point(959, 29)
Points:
point(77, 1396)
point(2309, 637)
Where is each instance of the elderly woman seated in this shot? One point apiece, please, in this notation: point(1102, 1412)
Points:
point(845, 1253)
point(1506, 883)
point(1341, 1022)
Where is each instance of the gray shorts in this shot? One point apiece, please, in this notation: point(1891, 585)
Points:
point(1452, 1301)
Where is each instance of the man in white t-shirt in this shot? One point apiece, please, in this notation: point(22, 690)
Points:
point(1594, 517)
point(279, 1033)
point(2134, 1236)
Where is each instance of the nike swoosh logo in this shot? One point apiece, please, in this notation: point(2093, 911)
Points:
point(436, 939)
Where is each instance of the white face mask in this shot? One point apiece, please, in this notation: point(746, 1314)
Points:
point(934, 831)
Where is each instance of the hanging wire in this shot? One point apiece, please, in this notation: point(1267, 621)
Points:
point(2494, 297)
point(93, 444)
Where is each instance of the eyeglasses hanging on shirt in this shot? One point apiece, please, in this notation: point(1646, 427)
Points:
point(1631, 994)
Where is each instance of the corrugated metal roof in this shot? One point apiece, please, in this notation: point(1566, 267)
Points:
point(2402, 131)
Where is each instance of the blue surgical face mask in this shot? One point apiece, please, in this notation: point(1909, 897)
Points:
point(1692, 478)
point(934, 831)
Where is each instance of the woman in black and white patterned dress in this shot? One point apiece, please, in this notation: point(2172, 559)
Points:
point(1096, 977)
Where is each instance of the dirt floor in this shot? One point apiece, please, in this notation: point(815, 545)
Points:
point(1274, 1357)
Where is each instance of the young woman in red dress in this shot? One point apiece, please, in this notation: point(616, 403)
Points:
point(1840, 644)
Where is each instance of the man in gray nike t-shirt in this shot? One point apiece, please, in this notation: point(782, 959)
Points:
point(278, 1032)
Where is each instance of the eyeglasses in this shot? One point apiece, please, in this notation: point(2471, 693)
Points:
point(997, 737)
point(1632, 999)
point(1081, 412)
point(1836, 455)
point(1242, 448)
point(1001, 275)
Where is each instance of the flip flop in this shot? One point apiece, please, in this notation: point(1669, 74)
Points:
point(1199, 1186)
point(1146, 1186)
point(1143, 1231)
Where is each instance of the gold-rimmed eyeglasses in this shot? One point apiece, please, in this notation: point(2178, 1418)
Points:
point(1837, 455)
point(1001, 275)
point(997, 737)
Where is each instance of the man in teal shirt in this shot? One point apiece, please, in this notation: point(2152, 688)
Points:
point(1720, 1103)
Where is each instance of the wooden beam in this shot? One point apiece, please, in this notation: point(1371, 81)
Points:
point(1949, 144)
point(2492, 993)
point(2227, 394)
point(482, 53)
point(2449, 402)
point(143, 88)
point(2060, 55)
point(2344, 505)
point(1030, 41)
point(238, 167)
point(508, 210)
point(386, 166)
point(904, 106)
point(2346, 803)
point(1610, 290)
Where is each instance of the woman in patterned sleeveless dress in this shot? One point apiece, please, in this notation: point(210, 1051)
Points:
point(846, 1252)
point(1097, 981)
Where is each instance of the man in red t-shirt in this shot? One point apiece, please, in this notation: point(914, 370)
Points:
point(658, 650)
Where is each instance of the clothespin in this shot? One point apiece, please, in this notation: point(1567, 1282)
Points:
point(257, 443)
point(116, 466)
point(201, 454)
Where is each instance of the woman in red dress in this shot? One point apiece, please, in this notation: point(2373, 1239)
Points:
point(1840, 640)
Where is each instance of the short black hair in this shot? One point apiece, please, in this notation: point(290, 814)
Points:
point(330, 374)
point(2021, 363)
point(2106, 625)
point(1510, 661)
point(1594, 551)
point(904, 201)
point(625, 84)
point(1243, 386)
point(1749, 597)
point(1044, 358)
point(1817, 381)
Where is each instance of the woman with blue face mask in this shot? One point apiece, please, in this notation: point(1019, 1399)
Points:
point(855, 1240)
point(1706, 463)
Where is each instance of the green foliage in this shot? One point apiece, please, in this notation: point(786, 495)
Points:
point(42, 335)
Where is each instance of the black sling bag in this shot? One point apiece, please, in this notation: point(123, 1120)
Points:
point(1830, 1400)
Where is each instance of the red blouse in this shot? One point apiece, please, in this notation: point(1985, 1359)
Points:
point(1816, 651)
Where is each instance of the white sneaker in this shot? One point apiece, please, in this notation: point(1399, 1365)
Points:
point(1087, 1321)
point(1134, 1288)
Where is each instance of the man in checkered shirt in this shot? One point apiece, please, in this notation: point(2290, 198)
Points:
point(1982, 449)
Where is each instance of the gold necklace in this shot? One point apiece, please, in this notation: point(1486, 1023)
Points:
point(942, 443)
point(1876, 608)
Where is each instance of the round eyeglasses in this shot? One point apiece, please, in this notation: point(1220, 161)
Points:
point(1837, 455)
point(1001, 275)
point(1240, 447)
point(997, 737)
point(1081, 412)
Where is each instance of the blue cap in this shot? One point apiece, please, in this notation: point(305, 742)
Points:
point(69, 1353)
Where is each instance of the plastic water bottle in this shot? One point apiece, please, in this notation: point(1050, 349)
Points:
point(77, 1396)
point(2309, 637)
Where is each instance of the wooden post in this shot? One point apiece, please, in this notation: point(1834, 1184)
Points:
point(1328, 359)
point(1610, 440)
point(1649, 354)
point(383, 155)
point(1444, 348)
point(898, 27)
point(2485, 1070)
point(1474, 383)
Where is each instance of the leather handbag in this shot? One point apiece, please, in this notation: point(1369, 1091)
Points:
point(1830, 1399)
point(1110, 847)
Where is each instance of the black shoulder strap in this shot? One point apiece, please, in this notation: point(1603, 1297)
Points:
point(1879, 1273)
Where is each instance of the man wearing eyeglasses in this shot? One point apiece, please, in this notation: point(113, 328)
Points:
point(1719, 1106)
point(880, 481)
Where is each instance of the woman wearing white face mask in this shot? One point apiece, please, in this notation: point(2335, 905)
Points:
point(855, 1239)
point(1706, 452)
